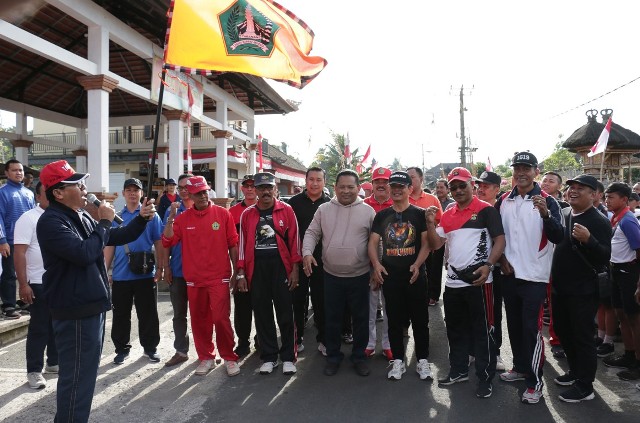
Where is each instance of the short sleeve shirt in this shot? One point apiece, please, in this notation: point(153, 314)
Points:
point(401, 235)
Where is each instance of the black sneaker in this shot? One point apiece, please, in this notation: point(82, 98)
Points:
point(620, 362)
point(379, 317)
point(630, 374)
point(485, 389)
point(598, 341)
point(11, 313)
point(557, 351)
point(575, 394)
point(153, 356)
point(347, 338)
point(565, 380)
point(450, 379)
point(362, 368)
point(331, 368)
point(242, 350)
point(605, 349)
point(121, 357)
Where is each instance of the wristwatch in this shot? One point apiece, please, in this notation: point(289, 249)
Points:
point(239, 276)
point(491, 266)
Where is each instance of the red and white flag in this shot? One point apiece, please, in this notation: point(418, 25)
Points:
point(366, 155)
point(488, 167)
point(347, 151)
point(601, 145)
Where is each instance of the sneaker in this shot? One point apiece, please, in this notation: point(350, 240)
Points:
point(288, 368)
point(10, 313)
point(388, 354)
point(347, 338)
point(153, 356)
point(599, 341)
point(36, 380)
point(512, 376)
point(397, 369)
point(451, 379)
point(322, 349)
point(300, 347)
point(331, 369)
point(433, 302)
point(575, 394)
point(121, 357)
point(232, 368)
point(369, 352)
point(362, 368)
point(204, 367)
point(619, 362)
point(500, 364)
point(176, 359)
point(242, 350)
point(485, 389)
point(267, 367)
point(424, 369)
point(379, 317)
point(630, 374)
point(557, 351)
point(565, 380)
point(531, 396)
point(51, 369)
point(605, 349)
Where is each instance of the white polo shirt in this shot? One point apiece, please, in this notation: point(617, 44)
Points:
point(25, 234)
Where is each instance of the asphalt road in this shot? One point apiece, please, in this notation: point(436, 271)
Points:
point(140, 391)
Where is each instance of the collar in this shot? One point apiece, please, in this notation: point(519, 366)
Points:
point(474, 206)
point(536, 190)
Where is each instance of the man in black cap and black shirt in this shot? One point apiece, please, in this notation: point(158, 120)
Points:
point(584, 249)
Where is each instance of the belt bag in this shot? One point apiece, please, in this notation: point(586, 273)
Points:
point(140, 263)
point(468, 274)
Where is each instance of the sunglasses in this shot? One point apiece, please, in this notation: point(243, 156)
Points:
point(463, 185)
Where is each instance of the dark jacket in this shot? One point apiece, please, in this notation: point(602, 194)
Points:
point(75, 281)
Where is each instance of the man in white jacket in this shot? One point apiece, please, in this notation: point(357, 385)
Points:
point(343, 225)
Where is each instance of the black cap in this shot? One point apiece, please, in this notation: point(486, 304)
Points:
point(634, 196)
point(400, 178)
point(586, 180)
point(246, 178)
point(490, 178)
point(264, 178)
point(170, 181)
point(132, 181)
point(524, 158)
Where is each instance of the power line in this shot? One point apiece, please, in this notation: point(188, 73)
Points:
point(596, 98)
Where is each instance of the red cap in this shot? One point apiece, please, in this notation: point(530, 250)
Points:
point(60, 172)
point(459, 174)
point(380, 173)
point(367, 185)
point(196, 184)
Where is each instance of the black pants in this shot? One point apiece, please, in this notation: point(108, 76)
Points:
point(434, 273)
point(242, 316)
point(144, 294)
point(40, 333)
point(8, 281)
point(469, 318)
point(573, 321)
point(301, 305)
point(406, 302)
point(269, 290)
point(316, 285)
point(180, 304)
point(497, 308)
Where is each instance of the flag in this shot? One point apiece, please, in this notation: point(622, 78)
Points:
point(366, 155)
point(258, 37)
point(601, 145)
point(347, 151)
point(488, 167)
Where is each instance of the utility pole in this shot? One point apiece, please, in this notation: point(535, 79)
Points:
point(463, 141)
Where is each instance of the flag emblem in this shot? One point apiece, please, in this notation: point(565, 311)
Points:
point(247, 31)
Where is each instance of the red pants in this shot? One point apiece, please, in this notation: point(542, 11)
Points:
point(553, 338)
point(210, 307)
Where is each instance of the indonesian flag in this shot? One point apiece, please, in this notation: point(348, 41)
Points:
point(347, 151)
point(488, 167)
point(601, 145)
point(258, 37)
point(366, 155)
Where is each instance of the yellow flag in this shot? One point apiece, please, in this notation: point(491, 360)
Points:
point(258, 37)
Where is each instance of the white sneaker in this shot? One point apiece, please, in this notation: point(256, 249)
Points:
point(500, 364)
point(232, 368)
point(51, 369)
point(397, 370)
point(424, 369)
point(36, 380)
point(267, 367)
point(288, 368)
point(322, 349)
point(204, 367)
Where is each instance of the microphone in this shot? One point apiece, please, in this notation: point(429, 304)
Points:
point(93, 199)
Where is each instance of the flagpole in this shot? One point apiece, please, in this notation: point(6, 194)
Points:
point(602, 165)
point(155, 135)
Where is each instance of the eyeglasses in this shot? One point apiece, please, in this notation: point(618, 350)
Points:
point(80, 185)
point(459, 186)
point(264, 187)
point(247, 186)
point(182, 188)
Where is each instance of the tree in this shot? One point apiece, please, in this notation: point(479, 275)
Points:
point(478, 168)
point(561, 160)
point(396, 165)
point(6, 149)
point(331, 158)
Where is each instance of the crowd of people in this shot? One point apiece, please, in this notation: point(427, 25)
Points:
point(374, 252)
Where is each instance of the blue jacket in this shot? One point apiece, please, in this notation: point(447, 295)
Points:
point(75, 281)
point(15, 199)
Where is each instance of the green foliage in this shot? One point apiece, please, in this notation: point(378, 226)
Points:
point(478, 168)
point(331, 159)
point(505, 170)
point(6, 149)
point(561, 160)
point(396, 165)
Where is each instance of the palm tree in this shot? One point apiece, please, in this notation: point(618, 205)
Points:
point(331, 158)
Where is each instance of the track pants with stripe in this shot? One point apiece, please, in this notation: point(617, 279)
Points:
point(469, 318)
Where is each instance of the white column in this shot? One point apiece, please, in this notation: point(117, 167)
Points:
point(22, 148)
point(176, 120)
point(251, 133)
point(222, 166)
point(162, 160)
point(81, 160)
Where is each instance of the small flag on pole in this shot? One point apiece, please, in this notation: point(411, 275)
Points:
point(601, 145)
point(366, 155)
point(488, 167)
point(347, 151)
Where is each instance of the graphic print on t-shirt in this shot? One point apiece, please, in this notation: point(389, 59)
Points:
point(265, 234)
point(400, 239)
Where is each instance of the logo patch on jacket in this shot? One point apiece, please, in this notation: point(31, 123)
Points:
point(215, 226)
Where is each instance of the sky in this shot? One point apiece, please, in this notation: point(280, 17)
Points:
point(395, 71)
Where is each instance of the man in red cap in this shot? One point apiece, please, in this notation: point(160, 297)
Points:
point(475, 238)
point(209, 252)
point(75, 282)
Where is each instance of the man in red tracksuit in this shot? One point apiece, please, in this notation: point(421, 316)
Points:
point(209, 250)
point(268, 268)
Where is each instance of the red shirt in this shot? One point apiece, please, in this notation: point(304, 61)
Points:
point(428, 200)
point(376, 205)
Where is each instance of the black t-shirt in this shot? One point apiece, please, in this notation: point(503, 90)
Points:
point(266, 243)
point(401, 235)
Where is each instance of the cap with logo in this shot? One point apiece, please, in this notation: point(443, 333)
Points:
point(171, 181)
point(247, 178)
point(132, 181)
point(524, 158)
point(197, 184)
point(459, 174)
point(490, 178)
point(400, 178)
point(586, 180)
point(380, 173)
point(60, 172)
point(264, 178)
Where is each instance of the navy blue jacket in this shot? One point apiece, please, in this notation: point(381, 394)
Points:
point(75, 281)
